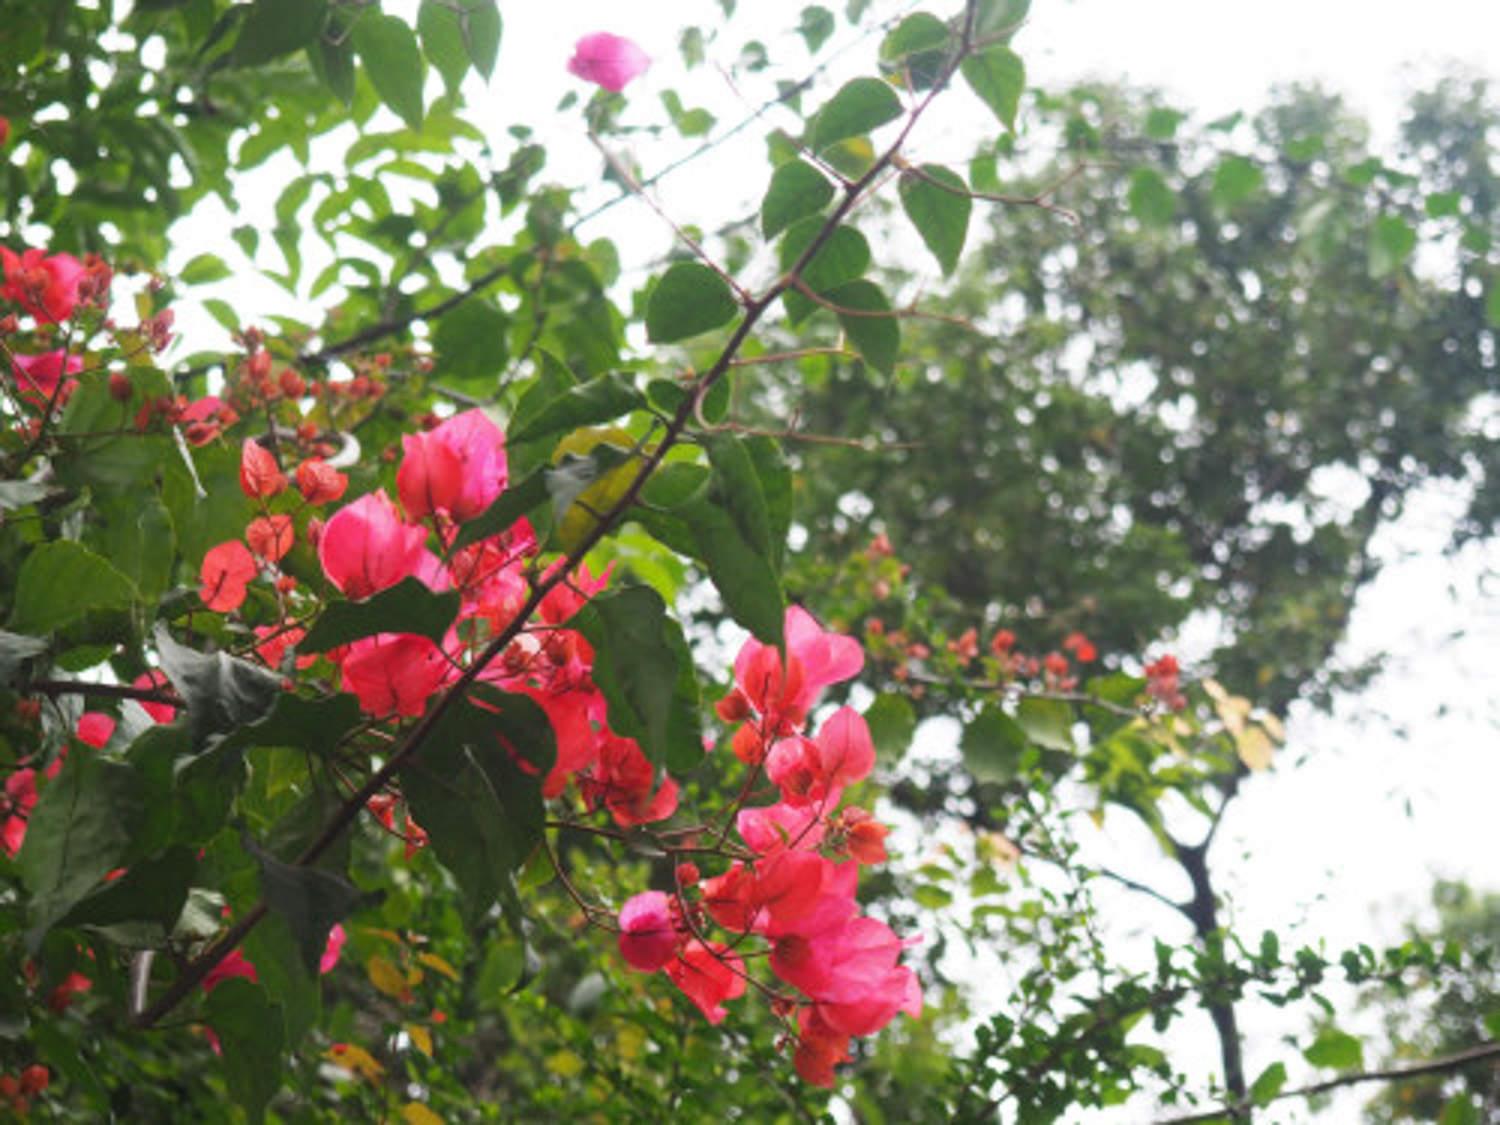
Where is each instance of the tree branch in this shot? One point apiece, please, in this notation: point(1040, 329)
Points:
point(1441, 1065)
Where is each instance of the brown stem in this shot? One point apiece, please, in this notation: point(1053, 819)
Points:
point(53, 688)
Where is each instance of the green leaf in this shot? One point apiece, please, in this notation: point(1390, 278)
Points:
point(152, 891)
point(643, 666)
point(311, 725)
point(1151, 200)
point(249, 1028)
point(777, 487)
point(273, 28)
point(745, 580)
point(1492, 304)
point(1460, 1110)
point(309, 899)
point(407, 607)
point(843, 257)
point(877, 337)
point(442, 33)
point(82, 827)
point(1047, 722)
point(937, 202)
point(519, 499)
point(393, 62)
point(138, 538)
point(599, 400)
point(470, 342)
point(59, 582)
point(1265, 1088)
point(815, 26)
point(1236, 179)
point(468, 789)
point(333, 63)
point(998, 76)
point(1392, 240)
point(1336, 1050)
point(689, 299)
point(797, 190)
point(221, 691)
point(15, 650)
point(917, 34)
point(280, 970)
point(736, 485)
point(992, 745)
point(858, 107)
point(1000, 17)
point(481, 25)
point(892, 724)
point(203, 269)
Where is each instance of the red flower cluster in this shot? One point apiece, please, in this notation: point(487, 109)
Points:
point(798, 892)
point(17, 1090)
point(1163, 684)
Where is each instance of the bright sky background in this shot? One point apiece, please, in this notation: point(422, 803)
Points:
point(1326, 845)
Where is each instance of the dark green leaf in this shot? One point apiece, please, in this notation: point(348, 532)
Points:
point(521, 498)
point(468, 789)
point(1151, 200)
point(797, 190)
point(599, 400)
point(918, 33)
point(842, 257)
point(249, 1028)
point(998, 76)
point(736, 485)
point(992, 745)
point(150, 891)
point(745, 580)
point(82, 827)
point(689, 299)
point(1492, 305)
point(937, 202)
point(776, 486)
point(312, 725)
point(389, 51)
point(643, 666)
point(470, 342)
point(877, 337)
point(892, 724)
point(59, 582)
point(273, 28)
point(309, 899)
point(333, 63)
point(858, 107)
point(407, 607)
point(222, 692)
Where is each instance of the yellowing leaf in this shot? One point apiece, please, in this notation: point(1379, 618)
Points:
point(603, 494)
point(390, 980)
point(437, 964)
point(1255, 748)
point(356, 1060)
point(628, 1042)
point(1233, 709)
point(420, 1037)
point(565, 1064)
point(1273, 727)
point(415, 1113)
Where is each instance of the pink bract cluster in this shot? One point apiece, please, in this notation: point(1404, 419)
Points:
point(448, 475)
point(795, 889)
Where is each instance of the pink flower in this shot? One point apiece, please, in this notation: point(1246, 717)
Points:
point(44, 285)
point(709, 975)
point(609, 60)
point(333, 950)
point(623, 780)
point(458, 467)
point(394, 673)
point(815, 771)
point(225, 576)
point(37, 375)
point(160, 712)
point(815, 659)
point(365, 547)
point(16, 802)
point(648, 937)
point(95, 728)
point(260, 476)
